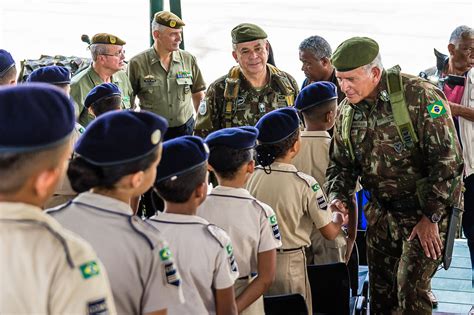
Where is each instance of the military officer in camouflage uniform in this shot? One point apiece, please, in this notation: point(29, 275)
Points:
point(248, 90)
point(108, 58)
point(395, 133)
point(167, 80)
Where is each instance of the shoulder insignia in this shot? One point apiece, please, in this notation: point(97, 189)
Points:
point(271, 217)
point(224, 240)
point(89, 269)
point(436, 109)
point(171, 274)
point(146, 231)
point(310, 180)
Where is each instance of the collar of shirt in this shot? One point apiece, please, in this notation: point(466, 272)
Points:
point(231, 191)
point(179, 218)
point(316, 134)
point(278, 166)
point(155, 57)
point(23, 211)
point(97, 80)
point(103, 202)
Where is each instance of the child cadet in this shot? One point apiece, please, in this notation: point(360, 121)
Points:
point(47, 269)
point(108, 173)
point(203, 251)
point(103, 98)
point(251, 224)
point(61, 78)
point(7, 68)
point(317, 103)
point(297, 198)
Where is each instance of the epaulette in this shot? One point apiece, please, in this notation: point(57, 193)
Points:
point(310, 180)
point(224, 240)
point(264, 207)
point(148, 232)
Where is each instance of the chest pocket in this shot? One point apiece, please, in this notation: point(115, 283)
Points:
point(149, 88)
point(184, 87)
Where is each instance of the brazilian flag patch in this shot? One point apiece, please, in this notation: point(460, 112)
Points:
point(436, 109)
point(89, 269)
point(165, 254)
point(316, 187)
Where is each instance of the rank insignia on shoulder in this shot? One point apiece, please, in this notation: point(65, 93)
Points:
point(230, 254)
point(275, 228)
point(89, 269)
point(172, 275)
point(202, 108)
point(97, 307)
point(436, 109)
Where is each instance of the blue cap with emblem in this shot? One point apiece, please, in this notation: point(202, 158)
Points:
point(6, 61)
point(34, 117)
point(234, 137)
point(101, 92)
point(50, 74)
point(316, 94)
point(277, 125)
point(112, 139)
point(181, 155)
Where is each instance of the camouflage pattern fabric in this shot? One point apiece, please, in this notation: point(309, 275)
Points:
point(72, 63)
point(250, 105)
point(390, 171)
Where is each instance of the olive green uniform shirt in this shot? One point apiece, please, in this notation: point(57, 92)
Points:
point(84, 81)
point(166, 93)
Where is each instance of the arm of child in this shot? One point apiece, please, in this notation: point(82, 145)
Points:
point(332, 229)
point(225, 301)
point(266, 276)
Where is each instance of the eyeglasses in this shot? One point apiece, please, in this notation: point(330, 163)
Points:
point(117, 54)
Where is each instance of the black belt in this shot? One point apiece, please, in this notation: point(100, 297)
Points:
point(250, 276)
point(400, 204)
point(284, 250)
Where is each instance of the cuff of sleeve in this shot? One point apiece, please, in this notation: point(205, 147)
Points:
point(434, 207)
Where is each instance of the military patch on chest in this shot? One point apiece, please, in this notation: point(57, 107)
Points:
point(359, 124)
point(149, 79)
point(436, 109)
point(183, 74)
point(281, 99)
point(358, 116)
point(241, 100)
point(398, 146)
point(384, 120)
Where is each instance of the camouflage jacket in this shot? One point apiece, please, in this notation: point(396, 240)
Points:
point(247, 108)
point(387, 168)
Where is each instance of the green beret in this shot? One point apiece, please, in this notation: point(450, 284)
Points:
point(247, 32)
point(354, 53)
point(105, 38)
point(168, 19)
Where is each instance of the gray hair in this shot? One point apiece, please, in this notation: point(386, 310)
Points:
point(459, 33)
point(262, 41)
point(318, 46)
point(157, 26)
point(376, 63)
point(97, 50)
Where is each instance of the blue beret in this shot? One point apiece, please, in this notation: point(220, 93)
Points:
point(121, 137)
point(6, 61)
point(277, 125)
point(100, 92)
point(315, 94)
point(34, 117)
point(235, 137)
point(51, 74)
point(181, 155)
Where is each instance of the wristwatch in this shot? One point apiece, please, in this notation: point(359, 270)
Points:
point(434, 218)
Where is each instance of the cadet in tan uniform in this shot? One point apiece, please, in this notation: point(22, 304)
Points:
point(103, 98)
point(317, 103)
point(251, 224)
point(108, 61)
point(142, 273)
point(204, 253)
point(167, 80)
point(297, 198)
point(46, 268)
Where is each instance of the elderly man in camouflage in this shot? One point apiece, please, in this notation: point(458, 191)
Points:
point(249, 90)
point(396, 134)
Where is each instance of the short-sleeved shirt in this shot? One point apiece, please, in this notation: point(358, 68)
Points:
point(129, 248)
point(83, 82)
point(166, 93)
point(297, 199)
point(249, 105)
point(47, 269)
point(252, 225)
point(204, 255)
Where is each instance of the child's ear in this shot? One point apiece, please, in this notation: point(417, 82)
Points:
point(137, 179)
point(45, 182)
point(201, 190)
point(251, 167)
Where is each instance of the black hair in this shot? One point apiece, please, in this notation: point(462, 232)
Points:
point(106, 105)
point(318, 113)
point(268, 153)
point(84, 175)
point(227, 161)
point(180, 189)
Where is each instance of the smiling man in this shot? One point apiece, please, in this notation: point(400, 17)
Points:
point(108, 60)
point(249, 90)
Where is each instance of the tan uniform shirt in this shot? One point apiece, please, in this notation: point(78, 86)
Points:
point(313, 159)
point(204, 255)
point(46, 269)
point(134, 253)
point(297, 199)
point(83, 82)
point(166, 93)
point(251, 224)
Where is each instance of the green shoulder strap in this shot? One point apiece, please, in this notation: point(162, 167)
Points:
point(401, 115)
point(231, 91)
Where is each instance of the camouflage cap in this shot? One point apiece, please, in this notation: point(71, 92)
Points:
point(168, 19)
point(105, 38)
point(353, 53)
point(247, 32)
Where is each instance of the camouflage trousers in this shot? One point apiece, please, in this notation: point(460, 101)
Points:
point(399, 272)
